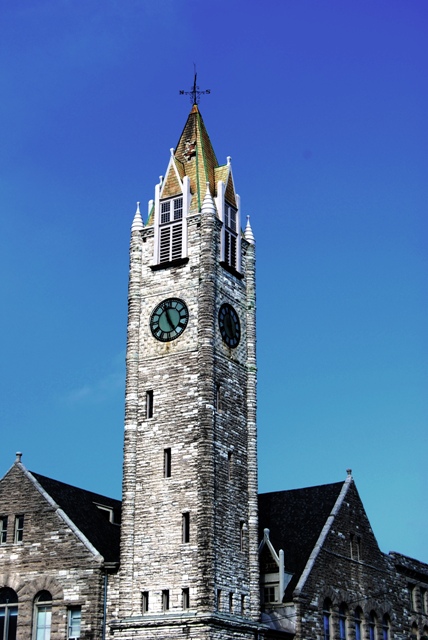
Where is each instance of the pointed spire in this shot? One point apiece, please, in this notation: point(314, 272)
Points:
point(137, 223)
point(248, 233)
point(195, 157)
point(208, 205)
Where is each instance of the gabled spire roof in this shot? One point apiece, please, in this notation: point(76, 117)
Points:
point(195, 158)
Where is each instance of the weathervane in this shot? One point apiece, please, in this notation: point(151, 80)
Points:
point(195, 92)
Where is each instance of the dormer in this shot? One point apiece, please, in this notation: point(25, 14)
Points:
point(273, 577)
point(171, 207)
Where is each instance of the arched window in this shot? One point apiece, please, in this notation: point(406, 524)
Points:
point(385, 627)
point(343, 611)
point(372, 625)
point(43, 615)
point(357, 620)
point(414, 632)
point(326, 614)
point(8, 613)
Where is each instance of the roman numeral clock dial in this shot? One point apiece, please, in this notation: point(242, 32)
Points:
point(169, 319)
point(229, 325)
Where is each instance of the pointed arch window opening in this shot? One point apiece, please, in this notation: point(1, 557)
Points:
point(230, 235)
point(385, 627)
point(372, 626)
point(357, 620)
point(343, 635)
point(326, 620)
point(231, 249)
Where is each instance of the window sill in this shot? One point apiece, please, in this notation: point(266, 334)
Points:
point(167, 265)
point(232, 270)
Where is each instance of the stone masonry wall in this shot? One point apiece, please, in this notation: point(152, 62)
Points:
point(204, 440)
point(352, 571)
point(50, 557)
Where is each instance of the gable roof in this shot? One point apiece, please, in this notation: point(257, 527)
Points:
point(81, 508)
point(296, 519)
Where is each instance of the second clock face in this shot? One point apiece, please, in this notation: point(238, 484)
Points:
point(230, 327)
point(169, 319)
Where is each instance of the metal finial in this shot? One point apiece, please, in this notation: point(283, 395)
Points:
point(195, 93)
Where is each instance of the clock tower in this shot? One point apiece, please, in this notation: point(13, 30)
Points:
point(189, 562)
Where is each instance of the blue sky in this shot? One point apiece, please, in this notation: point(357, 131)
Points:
point(322, 106)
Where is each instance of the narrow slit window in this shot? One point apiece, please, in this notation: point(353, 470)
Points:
point(230, 602)
point(149, 403)
point(218, 599)
point(359, 550)
point(218, 398)
point(186, 527)
point(242, 529)
point(242, 603)
point(74, 623)
point(411, 590)
point(165, 600)
point(230, 465)
point(3, 529)
point(144, 601)
point(167, 463)
point(423, 592)
point(19, 528)
point(185, 598)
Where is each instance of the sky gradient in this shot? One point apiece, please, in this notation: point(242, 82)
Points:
point(323, 108)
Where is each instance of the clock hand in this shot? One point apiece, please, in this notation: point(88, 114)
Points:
point(168, 317)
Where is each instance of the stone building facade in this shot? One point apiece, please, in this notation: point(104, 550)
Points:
point(335, 581)
point(58, 545)
point(192, 551)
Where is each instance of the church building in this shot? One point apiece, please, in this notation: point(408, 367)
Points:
point(192, 551)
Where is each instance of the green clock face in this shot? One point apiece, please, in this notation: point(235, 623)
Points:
point(230, 327)
point(169, 319)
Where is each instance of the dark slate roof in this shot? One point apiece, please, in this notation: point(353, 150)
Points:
point(80, 507)
point(410, 567)
point(295, 519)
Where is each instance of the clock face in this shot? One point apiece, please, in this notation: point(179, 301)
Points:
point(169, 319)
point(230, 327)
